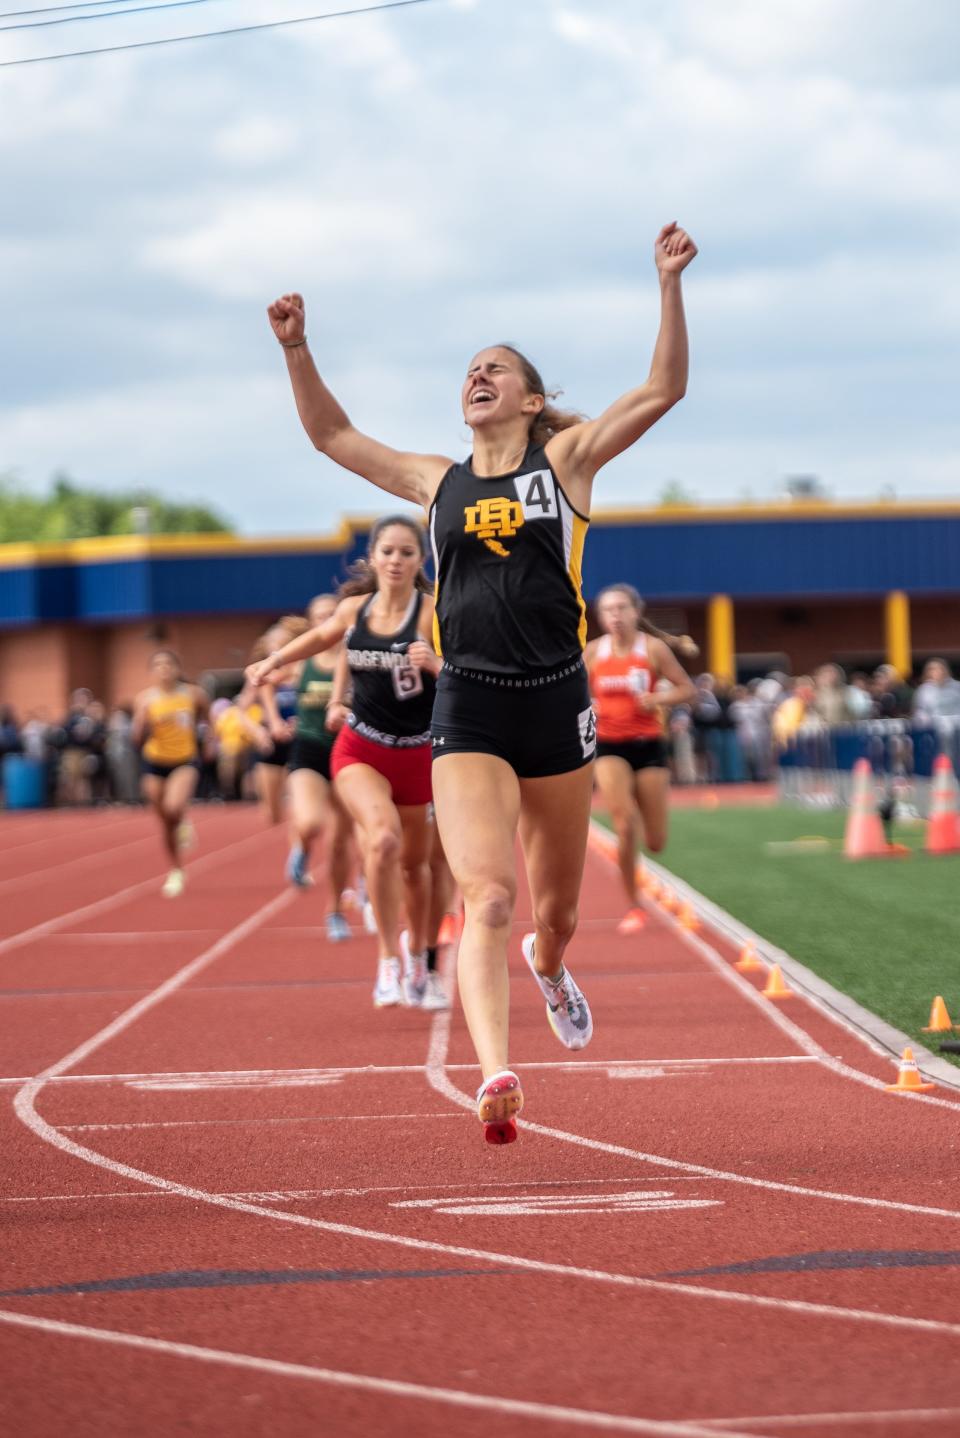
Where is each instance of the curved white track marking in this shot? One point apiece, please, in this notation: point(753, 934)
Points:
point(100, 906)
point(392, 1387)
point(23, 881)
point(25, 1108)
point(438, 1079)
point(780, 1020)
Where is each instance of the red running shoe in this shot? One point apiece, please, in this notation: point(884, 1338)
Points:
point(499, 1099)
point(632, 922)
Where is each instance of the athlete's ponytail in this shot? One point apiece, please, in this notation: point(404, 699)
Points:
point(550, 420)
point(680, 644)
point(362, 577)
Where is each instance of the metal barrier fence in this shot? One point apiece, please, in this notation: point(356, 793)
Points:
point(815, 769)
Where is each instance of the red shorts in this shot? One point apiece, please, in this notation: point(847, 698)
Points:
point(407, 771)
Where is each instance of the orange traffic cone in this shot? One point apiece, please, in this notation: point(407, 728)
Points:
point(449, 931)
point(863, 837)
point(776, 988)
point(688, 919)
point(940, 1020)
point(748, 962)
point(908, 1077)
point(943, 829)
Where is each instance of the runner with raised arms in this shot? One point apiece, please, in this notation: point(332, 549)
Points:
point(513, 731)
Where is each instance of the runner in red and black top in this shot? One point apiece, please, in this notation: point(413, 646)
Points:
point(381, 758)
point(513, 730)
point(634, 679)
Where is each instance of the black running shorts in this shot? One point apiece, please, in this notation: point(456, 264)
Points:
point(310, 754)
point(539, 724)
point(638, 753)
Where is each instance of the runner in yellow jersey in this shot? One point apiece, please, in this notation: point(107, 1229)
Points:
point(165, 722)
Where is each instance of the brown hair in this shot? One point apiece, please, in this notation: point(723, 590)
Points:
point(293, 625)
point(550, 420)
point(362, 577)
point(681, 645)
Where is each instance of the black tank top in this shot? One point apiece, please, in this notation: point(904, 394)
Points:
point(392, 701)
point(508, 553)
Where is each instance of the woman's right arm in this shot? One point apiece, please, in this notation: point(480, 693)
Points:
point(415, 477)
point(314, 641)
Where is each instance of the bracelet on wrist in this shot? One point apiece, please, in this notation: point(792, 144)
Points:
point(292, 344)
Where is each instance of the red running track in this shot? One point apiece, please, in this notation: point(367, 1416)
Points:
point(239, 1201)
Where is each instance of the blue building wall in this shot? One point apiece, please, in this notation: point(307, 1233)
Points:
point(690, 556)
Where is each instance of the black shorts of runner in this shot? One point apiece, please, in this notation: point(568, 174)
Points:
point(163, 771)
point(310, 754)
point(279, 755)
point(639, 753)
point(539, 724)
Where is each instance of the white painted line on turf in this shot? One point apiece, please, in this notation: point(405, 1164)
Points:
point(24, 1104)
point(24, 881)
point(252, 1078)
point(391, 1387)
point(154, 936)
point(111, 901)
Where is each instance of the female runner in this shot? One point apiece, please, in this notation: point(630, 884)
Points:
point(626, 668)
point(513, 730)
point(165, 720)
point(314, 806)
point(272, 733)
point(380, 760)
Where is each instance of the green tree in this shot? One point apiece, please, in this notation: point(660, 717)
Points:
point(674, 493)
point(70, 511)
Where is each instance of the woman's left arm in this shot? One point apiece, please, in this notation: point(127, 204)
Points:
point(666, 665)
point(579, 452)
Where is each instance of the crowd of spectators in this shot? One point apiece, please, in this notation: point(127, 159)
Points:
point(733, 733)
point(729, 734)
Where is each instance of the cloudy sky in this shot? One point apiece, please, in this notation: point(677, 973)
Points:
point(439, 177)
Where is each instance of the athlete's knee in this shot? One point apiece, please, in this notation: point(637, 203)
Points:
point(383, 846)
point(557, 917)
point(490, 903)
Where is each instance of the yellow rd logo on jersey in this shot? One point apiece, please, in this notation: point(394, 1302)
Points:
point(494, 519)
point(497, 518)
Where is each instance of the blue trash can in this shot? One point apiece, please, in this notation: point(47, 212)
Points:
point(24, 782)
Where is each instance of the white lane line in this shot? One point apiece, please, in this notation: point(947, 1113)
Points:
point(111, 901)
point(84, 822)
point(394, 1388)
point(438, 1080)
point(24, 881)
point(251, 1077)
point(153, 936)
point(814, 1420)
point(251, 1122)
point(280, 1195)
point(25, 1109)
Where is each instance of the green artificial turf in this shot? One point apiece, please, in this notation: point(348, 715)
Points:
point(884, 931)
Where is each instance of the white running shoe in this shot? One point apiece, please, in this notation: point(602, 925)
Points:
point(435, 994)
point(387, 991)
point(568, 1012)
point(499, 1100)
point(369, 917)
point(173, 884)
point(414, 973)
point(338, 930)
